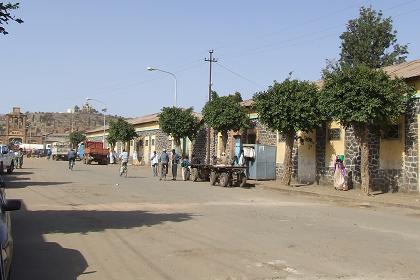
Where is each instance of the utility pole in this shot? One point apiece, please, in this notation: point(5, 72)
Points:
point(210, 60)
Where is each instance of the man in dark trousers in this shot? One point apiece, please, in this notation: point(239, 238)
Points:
point(175, 160)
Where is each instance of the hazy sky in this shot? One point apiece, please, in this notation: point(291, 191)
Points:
point(69, 50)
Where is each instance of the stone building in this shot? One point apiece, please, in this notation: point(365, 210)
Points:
point(394, 152)
point(16, 129)
point(151, 138)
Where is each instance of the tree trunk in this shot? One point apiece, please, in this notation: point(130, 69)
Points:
point(127, 147)
point(224, 141)
point(287, 163)
point(363, 132)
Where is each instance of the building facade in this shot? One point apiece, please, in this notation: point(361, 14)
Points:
point(151, 138)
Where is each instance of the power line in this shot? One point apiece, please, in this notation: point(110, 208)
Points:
point(239, 75)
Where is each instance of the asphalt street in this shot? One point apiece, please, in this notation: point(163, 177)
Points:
point(90, 223)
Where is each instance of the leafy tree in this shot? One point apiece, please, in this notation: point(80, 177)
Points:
point(76, 137)
point(359, 96)
point(225, 113)
point(179, 123)
point(112, 137)
point(121, 130)
point(6, 16)
point(371, 40)
point(289, 107)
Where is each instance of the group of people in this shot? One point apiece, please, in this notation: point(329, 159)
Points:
point(160, 164)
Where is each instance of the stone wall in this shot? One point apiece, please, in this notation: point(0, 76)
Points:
point(410, 172)
point(162, 142)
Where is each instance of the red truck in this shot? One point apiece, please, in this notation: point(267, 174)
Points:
point(94, 151)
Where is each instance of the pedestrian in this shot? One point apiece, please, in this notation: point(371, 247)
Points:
point(71, 156)
point(111, 156)
point(154, 161)
point(241, 161)
point(340, 174)
point(174, 161)
point(164, 160)
point(185, 168)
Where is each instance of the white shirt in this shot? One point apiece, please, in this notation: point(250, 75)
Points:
point(124, 156)
point(154, 159)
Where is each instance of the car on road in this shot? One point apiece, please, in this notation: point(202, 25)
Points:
point(7, 159)
point(6, 238)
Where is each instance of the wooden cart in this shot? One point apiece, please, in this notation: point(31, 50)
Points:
point(227, 175)
point(200, 172)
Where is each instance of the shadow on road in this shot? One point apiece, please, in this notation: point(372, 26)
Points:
point(11, 184)
point(35, 258)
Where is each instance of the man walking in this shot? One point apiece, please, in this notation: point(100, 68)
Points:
point(174, 161)
point(164, 159)
point(154, 163)
point(71, 156)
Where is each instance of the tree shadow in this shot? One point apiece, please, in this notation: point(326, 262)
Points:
point(24, 184)
point(35, 258)
point(18, 172)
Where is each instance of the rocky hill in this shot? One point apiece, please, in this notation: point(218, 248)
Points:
point(39, 123)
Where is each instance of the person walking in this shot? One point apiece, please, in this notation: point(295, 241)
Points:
point(185, 165)
point(71, 156)
point(124, 161)
point(154, 161)
point(164, 160)
point(174, 161)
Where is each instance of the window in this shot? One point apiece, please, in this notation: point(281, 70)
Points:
point(153, 142)
point(146, 143)
point(334, 134)
point(391, 132)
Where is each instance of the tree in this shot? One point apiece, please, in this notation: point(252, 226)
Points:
point(76, 137)
point(225, 113)
point(121, 130)
point(289, 107)
point(358, 96)
point(6, 16)
point(371, 40)
point(179, 123)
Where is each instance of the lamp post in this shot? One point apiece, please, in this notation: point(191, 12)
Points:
point(104, 111)
point(173, 76)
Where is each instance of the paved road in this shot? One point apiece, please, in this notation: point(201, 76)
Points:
point(81, 225)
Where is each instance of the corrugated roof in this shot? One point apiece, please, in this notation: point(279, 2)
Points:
point(404, 70)
point(145, 119)
point(139, 120)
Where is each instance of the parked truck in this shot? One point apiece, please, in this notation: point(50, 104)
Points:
point(59, 150)
point(7, 159)
point(95, 152)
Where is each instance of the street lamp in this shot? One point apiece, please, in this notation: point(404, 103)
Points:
point(104, 111)
point(170, 73)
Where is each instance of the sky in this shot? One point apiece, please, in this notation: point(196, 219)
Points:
point(66, 51)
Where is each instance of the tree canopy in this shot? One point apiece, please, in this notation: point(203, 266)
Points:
point(370, 39)
point(289, 106)
point(6, 16)
point(360, 95)
point(120, 130)
point(76, 137)
point(225, 113)
point(179, 123)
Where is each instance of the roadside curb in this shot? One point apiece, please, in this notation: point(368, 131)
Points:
point(362, 202)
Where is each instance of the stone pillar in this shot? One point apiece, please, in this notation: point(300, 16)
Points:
point(411, 164)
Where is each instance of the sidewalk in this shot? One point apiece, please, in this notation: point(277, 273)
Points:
point(402, 200)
